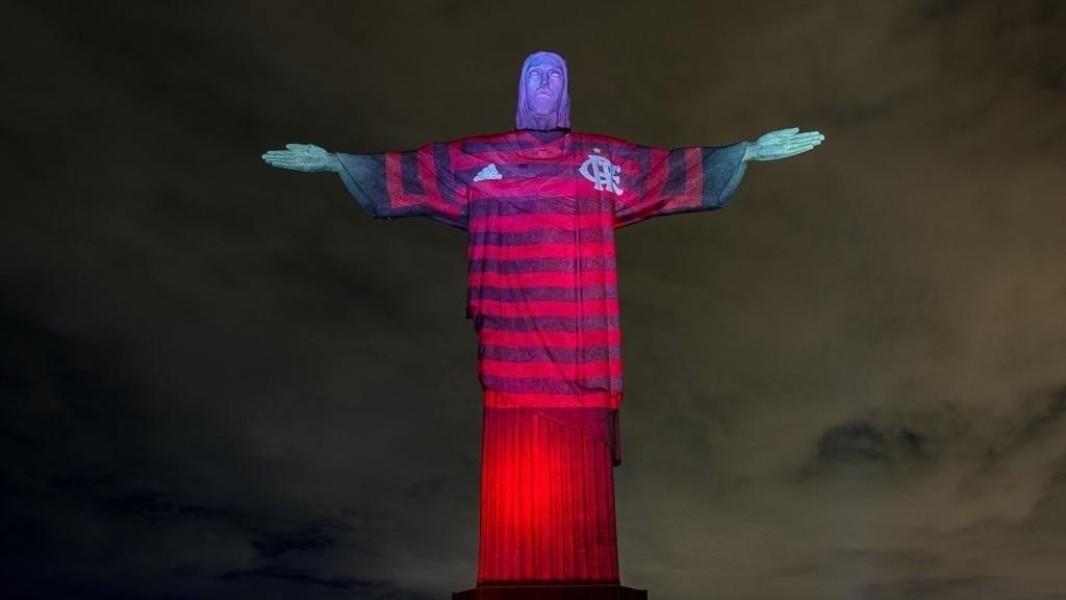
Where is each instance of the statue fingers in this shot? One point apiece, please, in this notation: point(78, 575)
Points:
point(796, 151)
point(783, 132)
point(786, 152)
point(281, 164)
point(279, 154)
point(806, 137)
point(303, 148)
point(291, 166)
point(783, 147)
point(777, 136)
point(297, 162)
point(807, 145)
point(800, 139)
point(294, 157)
point(288, 163)
point(805, 140)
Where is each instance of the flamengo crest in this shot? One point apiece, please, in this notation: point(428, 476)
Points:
point(603, 174)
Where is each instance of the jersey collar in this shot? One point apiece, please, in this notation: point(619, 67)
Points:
point(537, 144)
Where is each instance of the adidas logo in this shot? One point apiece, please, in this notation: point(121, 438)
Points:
point(488, 172)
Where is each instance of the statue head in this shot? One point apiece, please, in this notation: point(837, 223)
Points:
point(543, 101)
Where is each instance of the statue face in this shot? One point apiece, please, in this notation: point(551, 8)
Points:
point(544, 83)
point(543, 101)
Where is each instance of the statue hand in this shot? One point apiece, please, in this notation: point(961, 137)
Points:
point(303, 157)
point(782, 143)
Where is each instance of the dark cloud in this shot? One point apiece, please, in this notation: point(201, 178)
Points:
point(930, 587)
point(305, 579)
point(278, 544)
point(852, 442)
point(224, 381)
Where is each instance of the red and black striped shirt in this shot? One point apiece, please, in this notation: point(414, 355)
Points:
point(540, 209)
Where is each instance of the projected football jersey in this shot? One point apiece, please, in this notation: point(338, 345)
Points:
point(540, 209)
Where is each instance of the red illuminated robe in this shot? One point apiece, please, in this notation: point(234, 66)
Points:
point(540, 209)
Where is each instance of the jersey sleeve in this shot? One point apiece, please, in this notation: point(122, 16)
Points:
point(408, 183)
point(664, 182)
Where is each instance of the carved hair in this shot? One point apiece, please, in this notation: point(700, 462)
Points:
point(524, 117)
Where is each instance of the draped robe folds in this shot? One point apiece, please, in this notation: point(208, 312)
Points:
point(540, 209)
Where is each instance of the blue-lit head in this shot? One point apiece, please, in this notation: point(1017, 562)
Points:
point(543, 100)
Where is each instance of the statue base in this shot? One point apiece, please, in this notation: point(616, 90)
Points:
point(552, 592)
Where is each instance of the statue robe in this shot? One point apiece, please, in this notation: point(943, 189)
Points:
point(540, 209)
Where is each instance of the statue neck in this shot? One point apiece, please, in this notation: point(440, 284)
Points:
point(547, 122)
point(531, 121)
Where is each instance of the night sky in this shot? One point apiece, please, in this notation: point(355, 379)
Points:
point(226, 381)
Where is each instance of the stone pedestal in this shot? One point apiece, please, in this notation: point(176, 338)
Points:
point(552, 592)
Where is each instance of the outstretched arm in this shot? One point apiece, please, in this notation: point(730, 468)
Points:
point(409, 183)
point(699, 178)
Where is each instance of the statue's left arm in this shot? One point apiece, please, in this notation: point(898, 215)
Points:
point(663, 182)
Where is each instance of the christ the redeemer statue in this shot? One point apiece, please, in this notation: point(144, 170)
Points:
point(541, 204)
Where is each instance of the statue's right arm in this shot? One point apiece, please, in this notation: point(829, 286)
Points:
point(367, 186)
point(442, 197)
point(307, 158)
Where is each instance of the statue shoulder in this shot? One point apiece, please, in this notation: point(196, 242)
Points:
point(485, 138)
point(479, 143)
point(605, 140)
